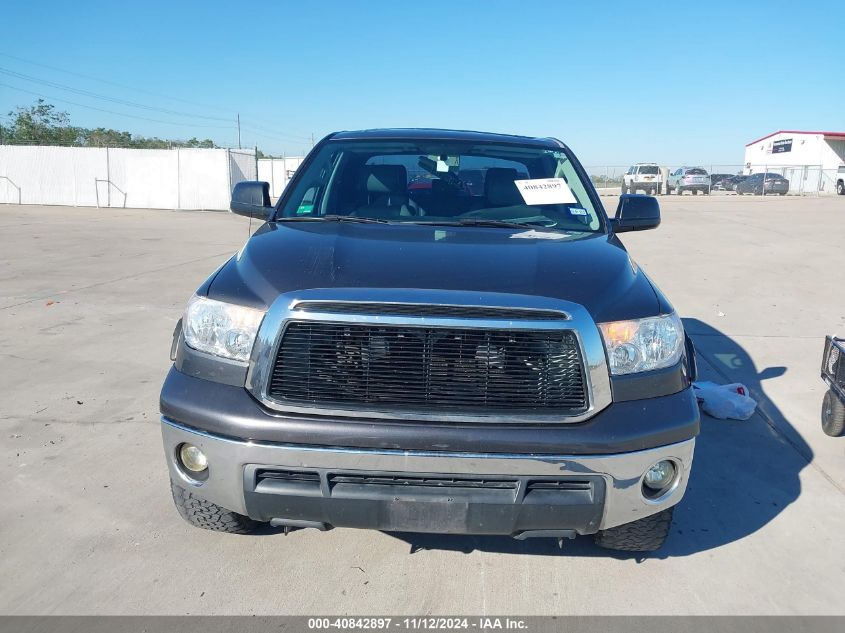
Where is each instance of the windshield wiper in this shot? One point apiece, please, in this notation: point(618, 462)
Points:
point(491, 223)
point(333, 218)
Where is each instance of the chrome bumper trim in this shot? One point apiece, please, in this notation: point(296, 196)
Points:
point(622, 472)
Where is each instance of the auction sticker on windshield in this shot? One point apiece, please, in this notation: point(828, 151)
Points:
point(545, 191)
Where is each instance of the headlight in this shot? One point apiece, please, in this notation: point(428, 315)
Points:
point(643, 344)
point(222, 329)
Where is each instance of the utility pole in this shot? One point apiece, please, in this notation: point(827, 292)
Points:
point(239, 130)
point(312, 139)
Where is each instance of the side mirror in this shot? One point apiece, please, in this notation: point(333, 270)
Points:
point(636, 213)
point(251, 198)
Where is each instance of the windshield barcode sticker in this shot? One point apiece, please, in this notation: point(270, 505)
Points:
point(545, 191)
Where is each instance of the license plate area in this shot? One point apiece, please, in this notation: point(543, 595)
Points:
point(425, 502)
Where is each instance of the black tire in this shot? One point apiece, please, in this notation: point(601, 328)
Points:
point(833, 415)
point(659, 190)
point(840, 188)
point(680, 191)
point(695, 192)
point(643, 535)
point(209, 516)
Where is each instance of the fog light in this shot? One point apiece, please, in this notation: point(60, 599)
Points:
point(192, 458)
point(660, 475)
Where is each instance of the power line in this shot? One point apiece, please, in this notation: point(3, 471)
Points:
point(258, 128)
point(123, 114)
point(112, 83)
point(88, 93)
point(289, 138)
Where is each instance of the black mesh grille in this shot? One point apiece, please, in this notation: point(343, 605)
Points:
point(429, 369)
point(429, 310)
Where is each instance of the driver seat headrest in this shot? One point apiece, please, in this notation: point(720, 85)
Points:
point(499, 188)
point(386, 179)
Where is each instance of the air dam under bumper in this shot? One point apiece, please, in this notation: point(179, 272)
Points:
point(471, 493)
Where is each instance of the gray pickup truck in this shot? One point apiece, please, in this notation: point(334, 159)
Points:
point(398, 349)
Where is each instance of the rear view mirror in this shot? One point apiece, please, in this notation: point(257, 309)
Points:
point(251, 198)
point(636, 213)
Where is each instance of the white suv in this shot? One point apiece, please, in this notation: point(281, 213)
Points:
point(645, 176)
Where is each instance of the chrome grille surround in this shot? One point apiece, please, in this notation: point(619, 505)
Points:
point(574, 318)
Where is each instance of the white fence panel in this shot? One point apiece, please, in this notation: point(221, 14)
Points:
point(117, 177)
point(141, 179)
point(50, 175)
point(278, 172)
point(203, 179)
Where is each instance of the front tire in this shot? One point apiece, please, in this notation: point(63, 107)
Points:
point(209, 516)
point(840, 188)
point(642, 535)
point(833, 415)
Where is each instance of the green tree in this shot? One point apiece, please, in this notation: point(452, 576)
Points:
point(193, 142)
point(101, 137)
point(41, 124)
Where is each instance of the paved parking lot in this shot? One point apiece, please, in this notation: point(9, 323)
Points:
point(88, 300)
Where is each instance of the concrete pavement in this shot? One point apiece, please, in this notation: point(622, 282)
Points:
point(88, 300)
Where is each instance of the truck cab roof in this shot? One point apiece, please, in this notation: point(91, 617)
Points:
point(441, 134)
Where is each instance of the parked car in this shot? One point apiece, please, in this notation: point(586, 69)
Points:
point(731, 183)
point(833, 373)
point(840, 181)
point(760, 184)
point(643, 177)
point(719, 181)
point(371, 364)
point(694, 179)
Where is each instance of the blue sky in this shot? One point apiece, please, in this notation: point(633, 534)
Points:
point(715, 74)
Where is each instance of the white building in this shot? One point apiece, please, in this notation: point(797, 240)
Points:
point(808, 159)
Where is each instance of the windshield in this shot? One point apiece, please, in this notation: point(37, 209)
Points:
point(443, 182)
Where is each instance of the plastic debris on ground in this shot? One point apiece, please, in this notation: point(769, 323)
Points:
point(726, 402)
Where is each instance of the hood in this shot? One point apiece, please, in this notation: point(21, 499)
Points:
point(593, 270)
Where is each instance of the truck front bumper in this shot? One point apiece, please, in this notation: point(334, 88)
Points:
point(418, 491)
